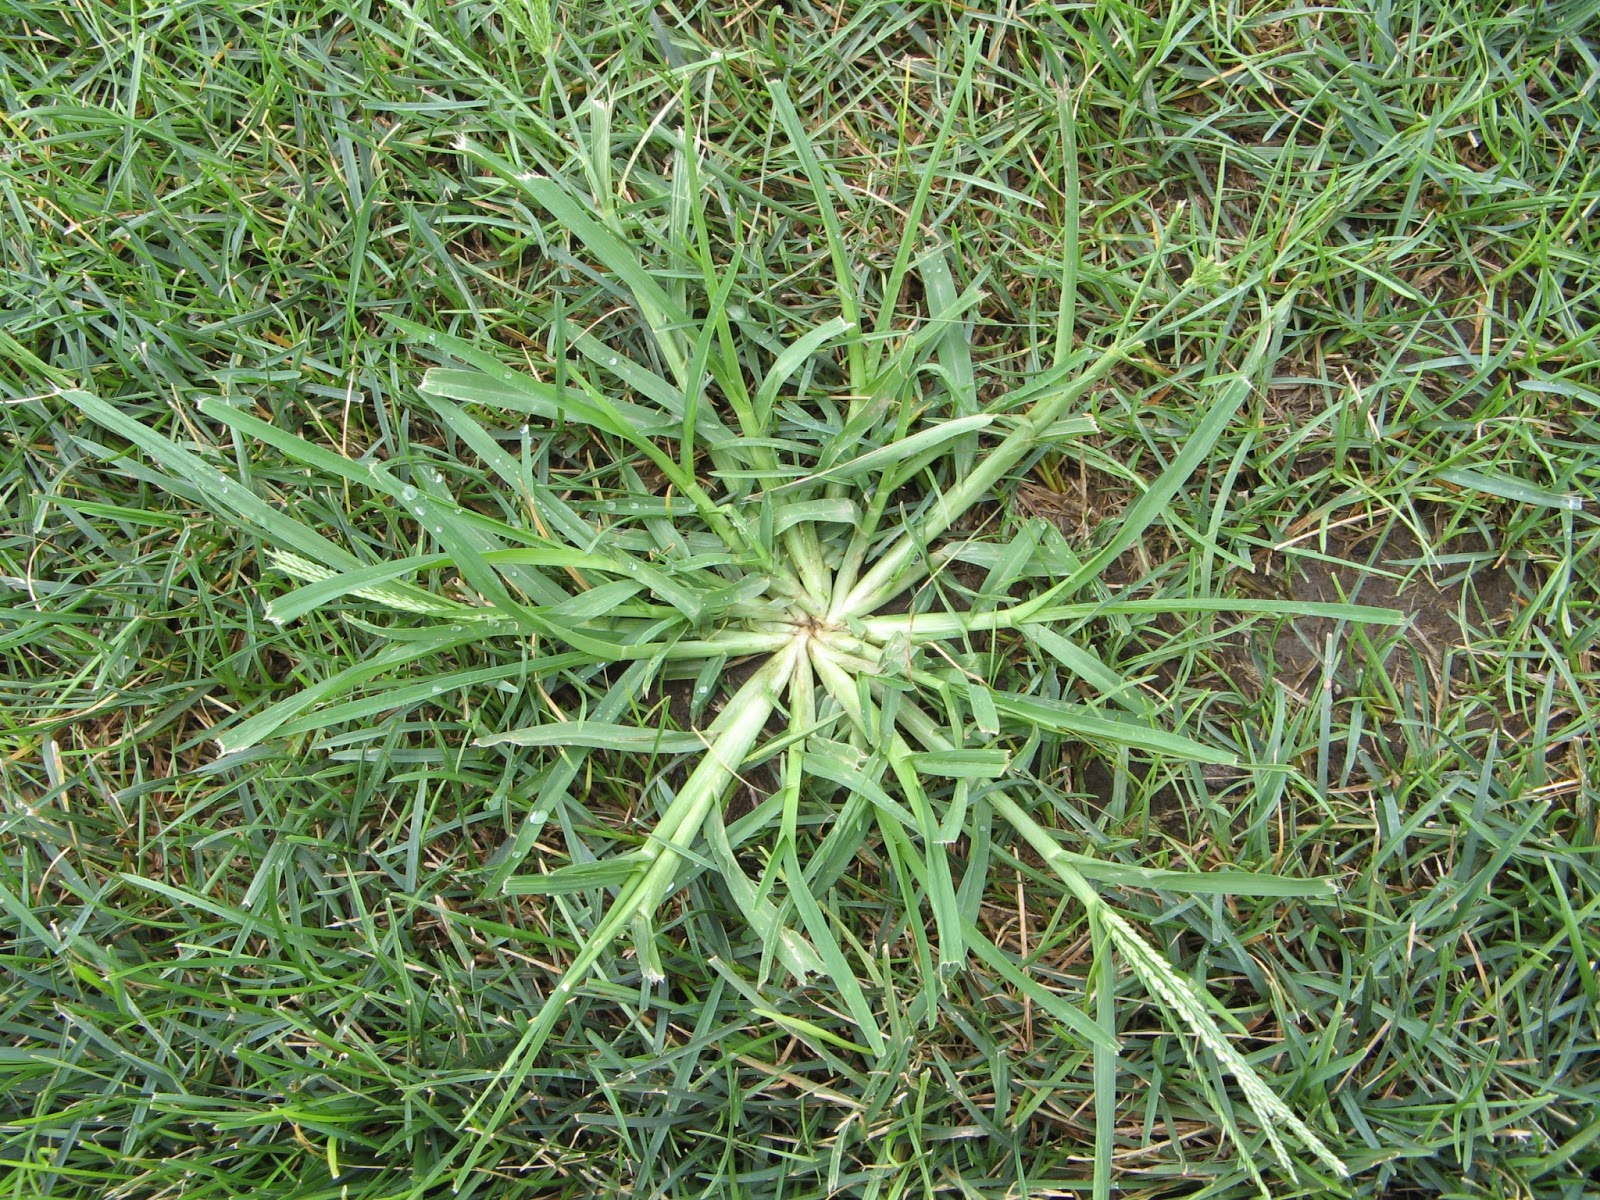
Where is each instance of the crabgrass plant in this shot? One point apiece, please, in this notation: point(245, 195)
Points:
point(783, 556)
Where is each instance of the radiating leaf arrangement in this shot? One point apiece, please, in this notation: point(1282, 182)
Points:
point(785, 560)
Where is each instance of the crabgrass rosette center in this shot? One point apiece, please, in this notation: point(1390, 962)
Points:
point(788, 561)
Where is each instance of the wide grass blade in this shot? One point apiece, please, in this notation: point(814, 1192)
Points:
point(1082, 721)
point(229, 496)
point(597, 735)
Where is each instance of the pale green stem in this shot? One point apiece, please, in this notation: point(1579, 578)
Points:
point(861, 540)
point(749, 709)
point(840, 683)
point(802, 716)
point(894, 572)
point(939, 626)
point(805, 551)
point(734, 643)
point(733, 735)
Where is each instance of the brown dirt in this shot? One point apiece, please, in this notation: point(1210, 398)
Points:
point(1442, 610)
point(1382, 565)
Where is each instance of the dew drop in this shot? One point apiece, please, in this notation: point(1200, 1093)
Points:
point(408, 493)
point(538, 815)
point(612, 361)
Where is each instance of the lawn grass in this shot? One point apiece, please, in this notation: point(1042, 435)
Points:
point(260, 945)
